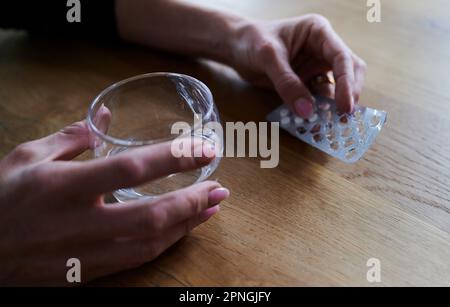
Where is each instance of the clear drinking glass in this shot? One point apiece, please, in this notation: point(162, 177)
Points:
point(142, 110)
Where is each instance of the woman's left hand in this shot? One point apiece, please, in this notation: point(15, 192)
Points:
point(294, 57)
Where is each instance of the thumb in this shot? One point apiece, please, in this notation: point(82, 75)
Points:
point(289, 86)
point(72, 140)
point(65, 144)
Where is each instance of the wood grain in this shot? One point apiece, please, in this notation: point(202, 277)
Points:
point(313, 220)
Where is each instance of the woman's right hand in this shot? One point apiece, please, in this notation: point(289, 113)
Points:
point(288, 55)
point(52, 208)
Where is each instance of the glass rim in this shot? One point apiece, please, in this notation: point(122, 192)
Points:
point(122, 142)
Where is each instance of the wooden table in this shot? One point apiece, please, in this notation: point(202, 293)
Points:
point(313, 220)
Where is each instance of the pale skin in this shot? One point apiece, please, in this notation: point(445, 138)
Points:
point(53, 207)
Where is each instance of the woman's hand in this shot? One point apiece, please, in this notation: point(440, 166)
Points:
point(53, 209)
point(288, 54)
point(285, 55)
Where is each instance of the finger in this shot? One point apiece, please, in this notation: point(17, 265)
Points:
point(153, 217)
point(132, 168)
point(327, 43)
point(359, 68)
point(65, 144)
point(175, 233)
point(152, 248)
point(286, 82)
point(111, 256)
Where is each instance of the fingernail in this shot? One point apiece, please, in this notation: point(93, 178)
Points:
point(303, 107)
point(209, 151)
point(352, 104)
point(347, 108)
point(217, 195)
point(208, 213)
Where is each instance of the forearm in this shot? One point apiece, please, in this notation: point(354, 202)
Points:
point(178, 27)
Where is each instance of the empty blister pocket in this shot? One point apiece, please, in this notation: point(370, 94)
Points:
point(346, 136)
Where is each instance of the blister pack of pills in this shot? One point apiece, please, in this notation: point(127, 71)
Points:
point(346, 136)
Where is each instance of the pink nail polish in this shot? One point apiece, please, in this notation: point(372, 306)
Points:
point(303, 107)
point(217, 195)
point(208, 213)
point(209, 150)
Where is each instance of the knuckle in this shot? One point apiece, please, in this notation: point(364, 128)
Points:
point(193, 201)
point(342, 57)
point(318, 20)
point(77, 128)
point(39, 176)
point(39, 173)
point(24, 152)
point(286, 80)
point(130, 167)
point(361, 64)
point(266, 50)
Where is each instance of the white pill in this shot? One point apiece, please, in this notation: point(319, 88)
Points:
point(284, 112)
point(285, 121)
point(313, 118)
point(298, 120)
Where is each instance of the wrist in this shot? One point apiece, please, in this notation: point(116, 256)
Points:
point(226, 37)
